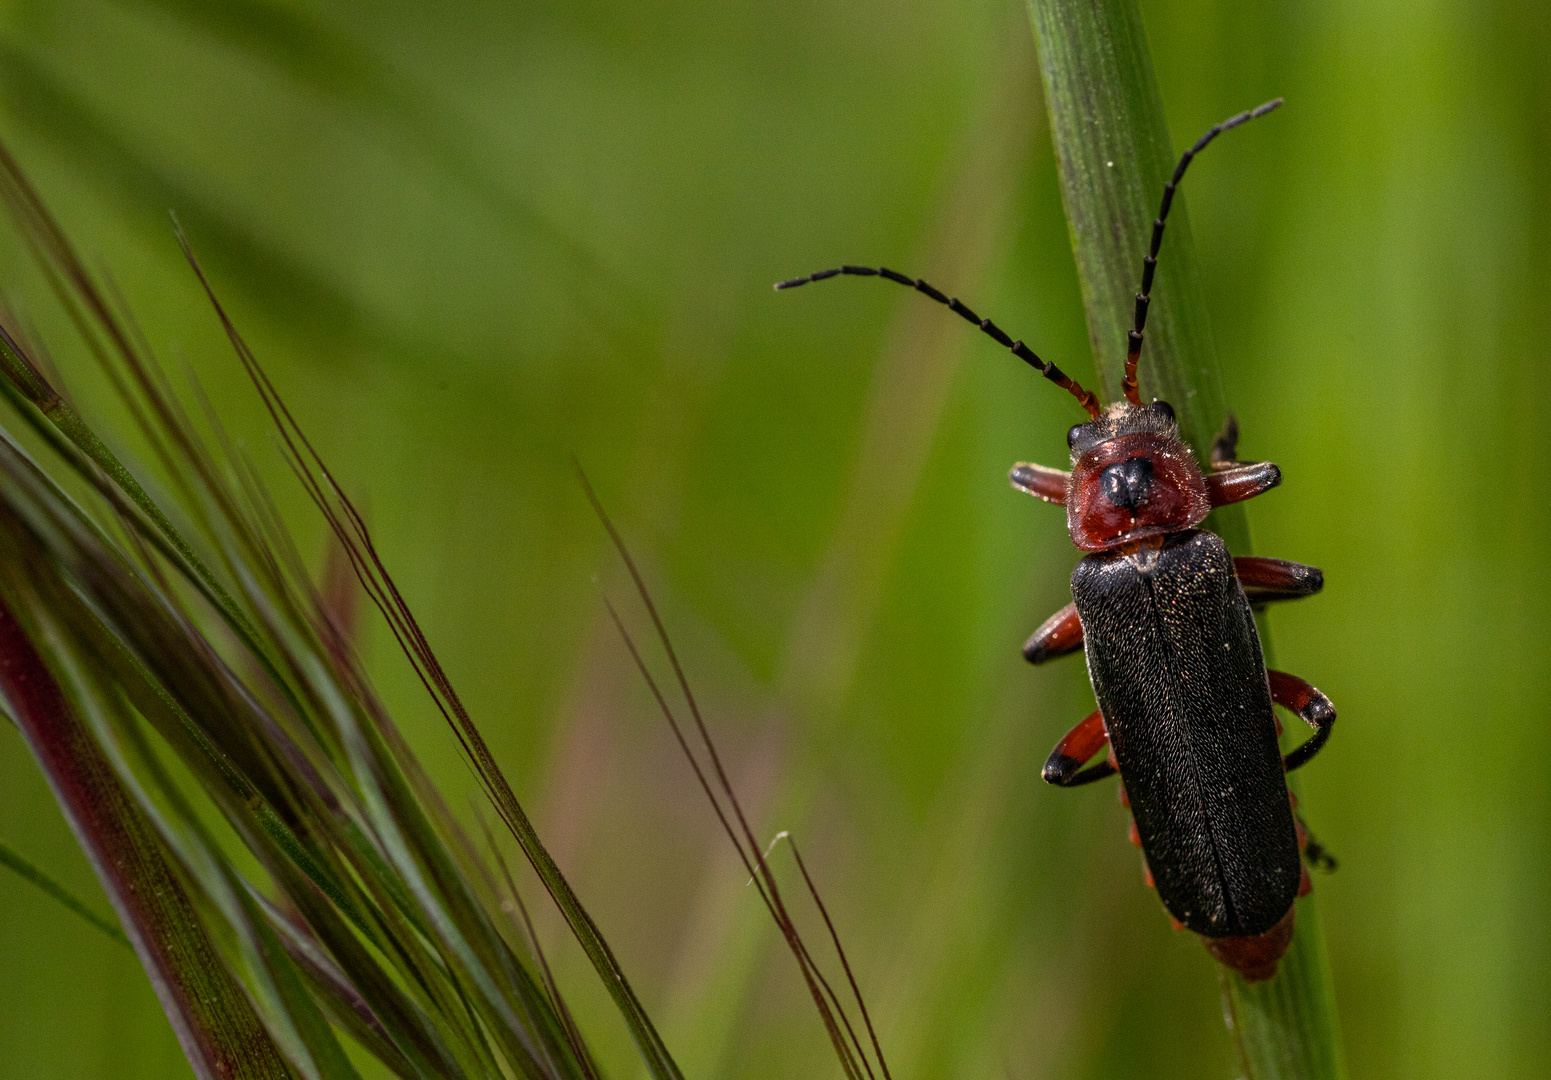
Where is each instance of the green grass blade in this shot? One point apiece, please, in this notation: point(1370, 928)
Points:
point(350, 529)
point(273, 727)
point(214, 1020)
point(1115, 154)
point(29, 383)
point(23, 868)
point(114, 649)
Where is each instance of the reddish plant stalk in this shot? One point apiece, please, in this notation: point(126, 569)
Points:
point(220, 1034)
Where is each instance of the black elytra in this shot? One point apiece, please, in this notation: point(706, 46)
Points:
point(1177, 668)
point(1163, 613)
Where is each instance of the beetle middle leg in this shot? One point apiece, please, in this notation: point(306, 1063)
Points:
point(1265, 579)
point(1312, 707)
point(1080, 744)
point(1058, 635)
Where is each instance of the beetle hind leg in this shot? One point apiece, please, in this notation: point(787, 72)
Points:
point(1064, 767)
point(1312, 707)
point(1315, 854)
point(1135, 836)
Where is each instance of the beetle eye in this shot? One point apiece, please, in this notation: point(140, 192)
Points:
point(1071, 435)
point(1161, 406)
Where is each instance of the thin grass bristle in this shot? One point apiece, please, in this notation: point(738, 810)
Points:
point(141, 630)
point(849, 1049)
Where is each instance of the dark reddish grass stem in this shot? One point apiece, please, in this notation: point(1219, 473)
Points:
point(218, 1030)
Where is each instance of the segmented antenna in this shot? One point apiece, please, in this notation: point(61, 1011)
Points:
point(1150, 263)
point(1019, 349)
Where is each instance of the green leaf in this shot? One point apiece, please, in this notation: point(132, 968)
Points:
point(1114, 151)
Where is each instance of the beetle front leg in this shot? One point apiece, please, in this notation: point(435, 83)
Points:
point(1225, 448)
point(1060, 634)
point(1313, 707)
point(1235, 483)
point(1080, 744)
point(1041, 481)
point(1276, 579)
point(1230, 482)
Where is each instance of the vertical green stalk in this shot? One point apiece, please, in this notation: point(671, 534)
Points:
point(1112, 143)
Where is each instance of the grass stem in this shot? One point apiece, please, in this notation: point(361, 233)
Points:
point(1114, 151)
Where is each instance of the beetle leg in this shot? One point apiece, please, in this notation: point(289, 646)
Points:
point(1148, 878)
point(1305, 883)
point(1225, 447)
point(1235, 483)
point(1314, 853)
point(1314, 708)
point(1276, 579)
point(1040, 481)
point(1060, 634)
point(1080, 744)
point(1228, 481)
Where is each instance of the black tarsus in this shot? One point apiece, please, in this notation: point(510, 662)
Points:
point(1225, 448)
point(1150, 262)
point(853, 1057)
point(1086, 399)
point(1304, 753)
point(1092, 773)
point(1316, 854)
point(1064, 771)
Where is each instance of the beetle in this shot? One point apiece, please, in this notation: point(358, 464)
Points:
point(1165, 617)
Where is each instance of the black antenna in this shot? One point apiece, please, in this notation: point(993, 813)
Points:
point(1150, 263)
point(1019, 349)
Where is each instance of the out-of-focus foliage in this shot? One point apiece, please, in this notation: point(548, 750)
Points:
point(471, 242)
point(371, 911)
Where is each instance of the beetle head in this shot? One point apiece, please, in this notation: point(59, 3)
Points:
point(1132, 478)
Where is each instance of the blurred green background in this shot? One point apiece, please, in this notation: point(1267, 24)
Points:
point(472, 241)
